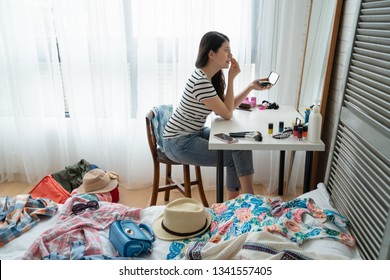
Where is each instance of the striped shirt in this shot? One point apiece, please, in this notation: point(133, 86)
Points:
point(191, 114)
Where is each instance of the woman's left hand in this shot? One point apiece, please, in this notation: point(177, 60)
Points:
point(257, 84)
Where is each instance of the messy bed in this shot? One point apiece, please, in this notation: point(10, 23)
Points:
point(248, 227)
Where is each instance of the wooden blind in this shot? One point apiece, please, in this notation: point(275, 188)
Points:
point(359, 174)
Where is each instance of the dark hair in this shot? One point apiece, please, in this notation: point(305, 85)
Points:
point(212, 41)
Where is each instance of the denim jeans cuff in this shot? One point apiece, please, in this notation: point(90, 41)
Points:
point(245, 172)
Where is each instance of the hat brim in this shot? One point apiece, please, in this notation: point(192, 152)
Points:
point(109, 187)
point(162, 234)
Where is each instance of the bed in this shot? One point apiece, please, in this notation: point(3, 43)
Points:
point(261, 238)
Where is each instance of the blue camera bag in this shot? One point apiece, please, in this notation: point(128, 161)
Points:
point(130, 239)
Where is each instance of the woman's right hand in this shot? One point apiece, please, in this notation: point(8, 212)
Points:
point(234, 69)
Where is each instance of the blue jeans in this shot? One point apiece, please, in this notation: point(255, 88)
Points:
point(194, 149)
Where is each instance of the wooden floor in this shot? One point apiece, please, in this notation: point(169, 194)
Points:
point(136, 198)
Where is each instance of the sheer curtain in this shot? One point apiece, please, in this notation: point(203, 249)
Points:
point(33, 129)
point(92, 47)
point(283, 25)
point(107, 62)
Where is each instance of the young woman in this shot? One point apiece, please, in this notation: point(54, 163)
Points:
point(186, 137)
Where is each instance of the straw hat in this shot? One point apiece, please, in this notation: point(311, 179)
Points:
point(98, 181)
point(183, 218)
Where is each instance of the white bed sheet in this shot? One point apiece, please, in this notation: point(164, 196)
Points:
point(327, 246)
point(16, 248)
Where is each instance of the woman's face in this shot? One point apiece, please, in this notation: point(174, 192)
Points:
point(223, 56)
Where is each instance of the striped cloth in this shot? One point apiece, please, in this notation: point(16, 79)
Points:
point(191, 114)
point(20, 213)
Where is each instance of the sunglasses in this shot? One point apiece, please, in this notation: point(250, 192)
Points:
point(79, 208)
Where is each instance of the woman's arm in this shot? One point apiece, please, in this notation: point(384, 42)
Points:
point(255, 85)
point(225, 108)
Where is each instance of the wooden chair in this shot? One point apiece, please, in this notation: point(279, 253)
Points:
point(170, 183)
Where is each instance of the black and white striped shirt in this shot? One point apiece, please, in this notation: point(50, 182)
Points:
point(191, 114)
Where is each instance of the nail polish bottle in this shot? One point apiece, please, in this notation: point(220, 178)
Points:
point(304, 133)
point(295, 131)
point(281, 126)
point(300, 133)
point(270, 129)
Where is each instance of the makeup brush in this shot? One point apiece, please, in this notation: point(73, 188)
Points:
point(254, 135)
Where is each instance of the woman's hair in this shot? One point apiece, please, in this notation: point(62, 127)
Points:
point(212, 41)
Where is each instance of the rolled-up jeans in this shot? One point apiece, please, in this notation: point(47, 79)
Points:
point(194, 149)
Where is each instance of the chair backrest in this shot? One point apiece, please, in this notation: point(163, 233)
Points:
point(150, 133)
point(156, 120)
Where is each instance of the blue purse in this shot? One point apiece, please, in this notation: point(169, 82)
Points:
point(130, 239)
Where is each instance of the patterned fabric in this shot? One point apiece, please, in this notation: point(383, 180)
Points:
point(251, 213)
point(162, 114)
point(77, 253)
point(106, 196)
point(87, 227)
point(195, 248)
point(19, 214)
point(287, 254)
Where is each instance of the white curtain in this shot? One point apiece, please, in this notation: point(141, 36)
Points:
point(107, 62)
point(283, 24)
point(32, 125)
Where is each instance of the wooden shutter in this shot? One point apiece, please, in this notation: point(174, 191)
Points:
point(359, 174)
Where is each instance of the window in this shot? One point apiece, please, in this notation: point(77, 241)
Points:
point(166, 35)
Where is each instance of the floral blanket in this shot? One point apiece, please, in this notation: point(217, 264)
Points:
point(252, 213)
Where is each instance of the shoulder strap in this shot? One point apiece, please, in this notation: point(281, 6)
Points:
point(149, 231)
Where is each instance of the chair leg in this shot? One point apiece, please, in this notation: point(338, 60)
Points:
point(168, 176)
point(200, 186)
point(156, 183)
point(187, 180)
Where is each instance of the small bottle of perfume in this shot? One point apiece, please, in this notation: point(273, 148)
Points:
point(270, 129)
point(253, 101)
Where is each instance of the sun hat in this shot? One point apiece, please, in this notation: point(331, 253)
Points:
point(182, 218)
point(98, 181)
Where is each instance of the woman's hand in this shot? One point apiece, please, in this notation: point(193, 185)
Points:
point(234, 69)
point(256, 84)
